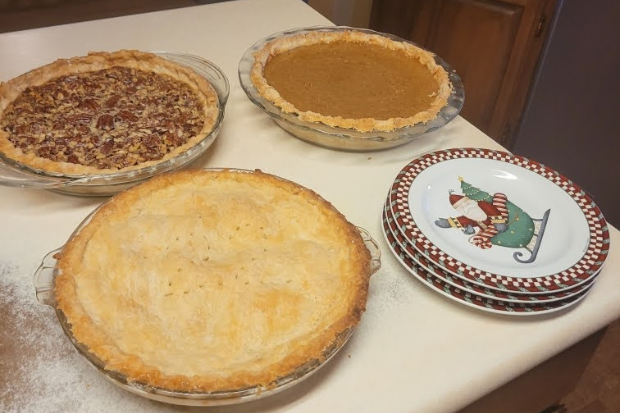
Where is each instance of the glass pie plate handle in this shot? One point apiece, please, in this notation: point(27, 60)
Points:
point(44, 278)
point(373, 248)
point(15, 174)
point(44, 286)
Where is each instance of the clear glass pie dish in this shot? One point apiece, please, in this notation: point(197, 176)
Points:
point(15, 174)
point(44, 281)
point(342, 138)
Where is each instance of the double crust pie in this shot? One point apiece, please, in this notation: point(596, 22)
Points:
point(213, 280)
point(350, 79)
point(104, 113)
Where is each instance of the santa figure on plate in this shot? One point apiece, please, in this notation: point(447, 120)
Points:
point(497, 220)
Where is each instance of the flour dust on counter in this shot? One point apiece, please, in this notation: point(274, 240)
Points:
point(39, 369)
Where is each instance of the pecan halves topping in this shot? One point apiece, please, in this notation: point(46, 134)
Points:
point(111, 118)
point(79, 118)
point(105, 122)
point(111, 102)
point(126, 116)
point(22, 130)
point(89, 104)
point(107, 147)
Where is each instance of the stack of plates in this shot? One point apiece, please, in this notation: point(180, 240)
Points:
point(495, 231)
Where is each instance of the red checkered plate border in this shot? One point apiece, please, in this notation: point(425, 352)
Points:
point(470, 299)
point(455, 281)
point(584, 270)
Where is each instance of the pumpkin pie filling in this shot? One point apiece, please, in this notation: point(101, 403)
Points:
point(351, 79)
point(362, 76)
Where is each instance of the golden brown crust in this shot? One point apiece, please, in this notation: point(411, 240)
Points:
point(96, 61)
point(261, 58)
point(262, 275)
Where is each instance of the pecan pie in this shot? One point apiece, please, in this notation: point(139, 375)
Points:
point(351, 79)
point(213, 280)
point(104, 113)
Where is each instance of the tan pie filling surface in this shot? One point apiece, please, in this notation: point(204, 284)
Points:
point(352, 80)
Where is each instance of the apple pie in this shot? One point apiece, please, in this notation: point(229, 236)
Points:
point(212, 280)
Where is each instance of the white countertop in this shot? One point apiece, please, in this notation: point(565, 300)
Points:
point(414, 351)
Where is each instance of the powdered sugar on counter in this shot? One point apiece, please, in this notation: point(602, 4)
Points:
point(40, 371)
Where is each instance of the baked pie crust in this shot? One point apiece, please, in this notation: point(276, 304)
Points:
point(104, 113)
point(206, 280)
point(386, 58)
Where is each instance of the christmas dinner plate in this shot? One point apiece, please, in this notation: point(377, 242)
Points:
point(474, 300)
point(500, 220)
point(456, 281)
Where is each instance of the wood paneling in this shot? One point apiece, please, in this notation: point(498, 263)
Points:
point(396, 16)
point(493, 45)
point(486, 27)
point(598, 389)
point(544, 386)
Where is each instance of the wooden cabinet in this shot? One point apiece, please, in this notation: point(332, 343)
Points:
point(492, 44)
point(543, 388)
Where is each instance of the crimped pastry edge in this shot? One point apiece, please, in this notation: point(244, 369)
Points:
point(262, 57)
point(95, 61)
point(131, 366)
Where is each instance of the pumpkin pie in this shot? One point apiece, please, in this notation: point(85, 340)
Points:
point(205, 280)
point(351, 79)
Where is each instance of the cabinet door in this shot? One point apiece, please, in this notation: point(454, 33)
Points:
point(493, 45)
